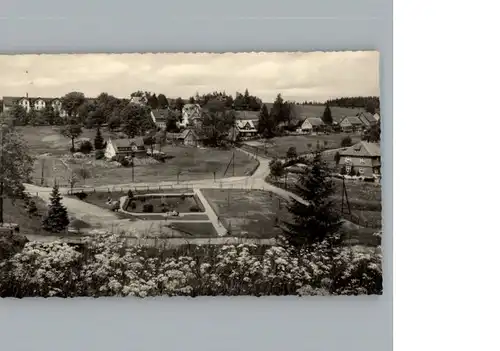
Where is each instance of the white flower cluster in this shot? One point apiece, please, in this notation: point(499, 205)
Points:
point(106, 267)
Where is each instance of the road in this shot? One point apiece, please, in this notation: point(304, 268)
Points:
point(97, 217)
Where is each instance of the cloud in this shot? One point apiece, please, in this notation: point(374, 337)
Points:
point(298, 76)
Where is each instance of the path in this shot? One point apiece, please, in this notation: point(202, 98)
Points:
point(212, 216)
point(97, 217)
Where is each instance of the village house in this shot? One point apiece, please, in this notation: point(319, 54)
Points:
point(37, 104)
point(367, 119)
point(246, 128)
point(376, 116)
point(351, 124)
point(191, 114)
point(160, 117)
point(187, 137)
point(363, 156)
point(125, 147)
point(312, 124)
point(138, 100)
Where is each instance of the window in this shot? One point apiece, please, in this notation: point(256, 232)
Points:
point(361, 170)
point(348, 168)
point(362, 161)
point(348, 160)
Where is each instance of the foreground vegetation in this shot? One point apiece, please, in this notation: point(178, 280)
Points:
point(105, 267)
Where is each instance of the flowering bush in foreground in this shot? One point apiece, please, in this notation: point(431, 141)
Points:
point(106, 267)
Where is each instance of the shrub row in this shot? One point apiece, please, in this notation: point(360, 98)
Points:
point(105, 267)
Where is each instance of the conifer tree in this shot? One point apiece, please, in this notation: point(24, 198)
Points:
point(98, 141)
point(266, 125)
point(57, 217)
point(327, 116)
point(316, 220)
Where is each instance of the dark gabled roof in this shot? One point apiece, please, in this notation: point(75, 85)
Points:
point(9, 100)
point(161, 115)
point(315, 121)
point(126, 143)
point(362, 149)
point(364, 120)
point(353, 120)
point(182, 135)
point(185, 133)
point(368, 117)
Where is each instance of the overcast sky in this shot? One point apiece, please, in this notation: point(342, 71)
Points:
point(297, 76)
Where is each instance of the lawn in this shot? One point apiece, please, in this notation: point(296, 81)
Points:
point(365, 199)
point(48, 139)
point(32, 224)
point(16, 213)
point(192, 163)
point(53, 170)
point(248, 213)
point(278, 147)
point(161, 204)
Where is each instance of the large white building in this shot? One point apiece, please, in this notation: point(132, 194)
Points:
point(191, 113)
point(37, 103)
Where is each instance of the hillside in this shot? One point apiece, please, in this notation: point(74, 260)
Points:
point(304, 111)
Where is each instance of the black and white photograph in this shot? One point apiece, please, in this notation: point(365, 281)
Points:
point(190, 174)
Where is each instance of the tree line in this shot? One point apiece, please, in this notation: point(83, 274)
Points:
point(369, 103)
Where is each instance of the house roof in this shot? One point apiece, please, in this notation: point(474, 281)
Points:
point(315, 121)
point(365, 121)
point(242, 123)
point(352, 120)
point(187, 107)
point(126, 143)
point(368, 116)
point(182, 135)
point(362, 149)
point(11, 100)
point(191, 111)
point(185, 133)
point(137, 100)
point(161, 115)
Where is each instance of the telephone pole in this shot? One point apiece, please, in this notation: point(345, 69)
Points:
point(344, 194)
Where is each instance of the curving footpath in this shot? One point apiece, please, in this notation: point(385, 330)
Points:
point(97, 217)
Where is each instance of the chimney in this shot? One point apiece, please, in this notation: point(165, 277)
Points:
point(26, 95)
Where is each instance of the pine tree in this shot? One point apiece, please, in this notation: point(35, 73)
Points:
point(316, 220)
point(98, 141)
point(57, 217)
point(266, 125)
point(327, 116)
